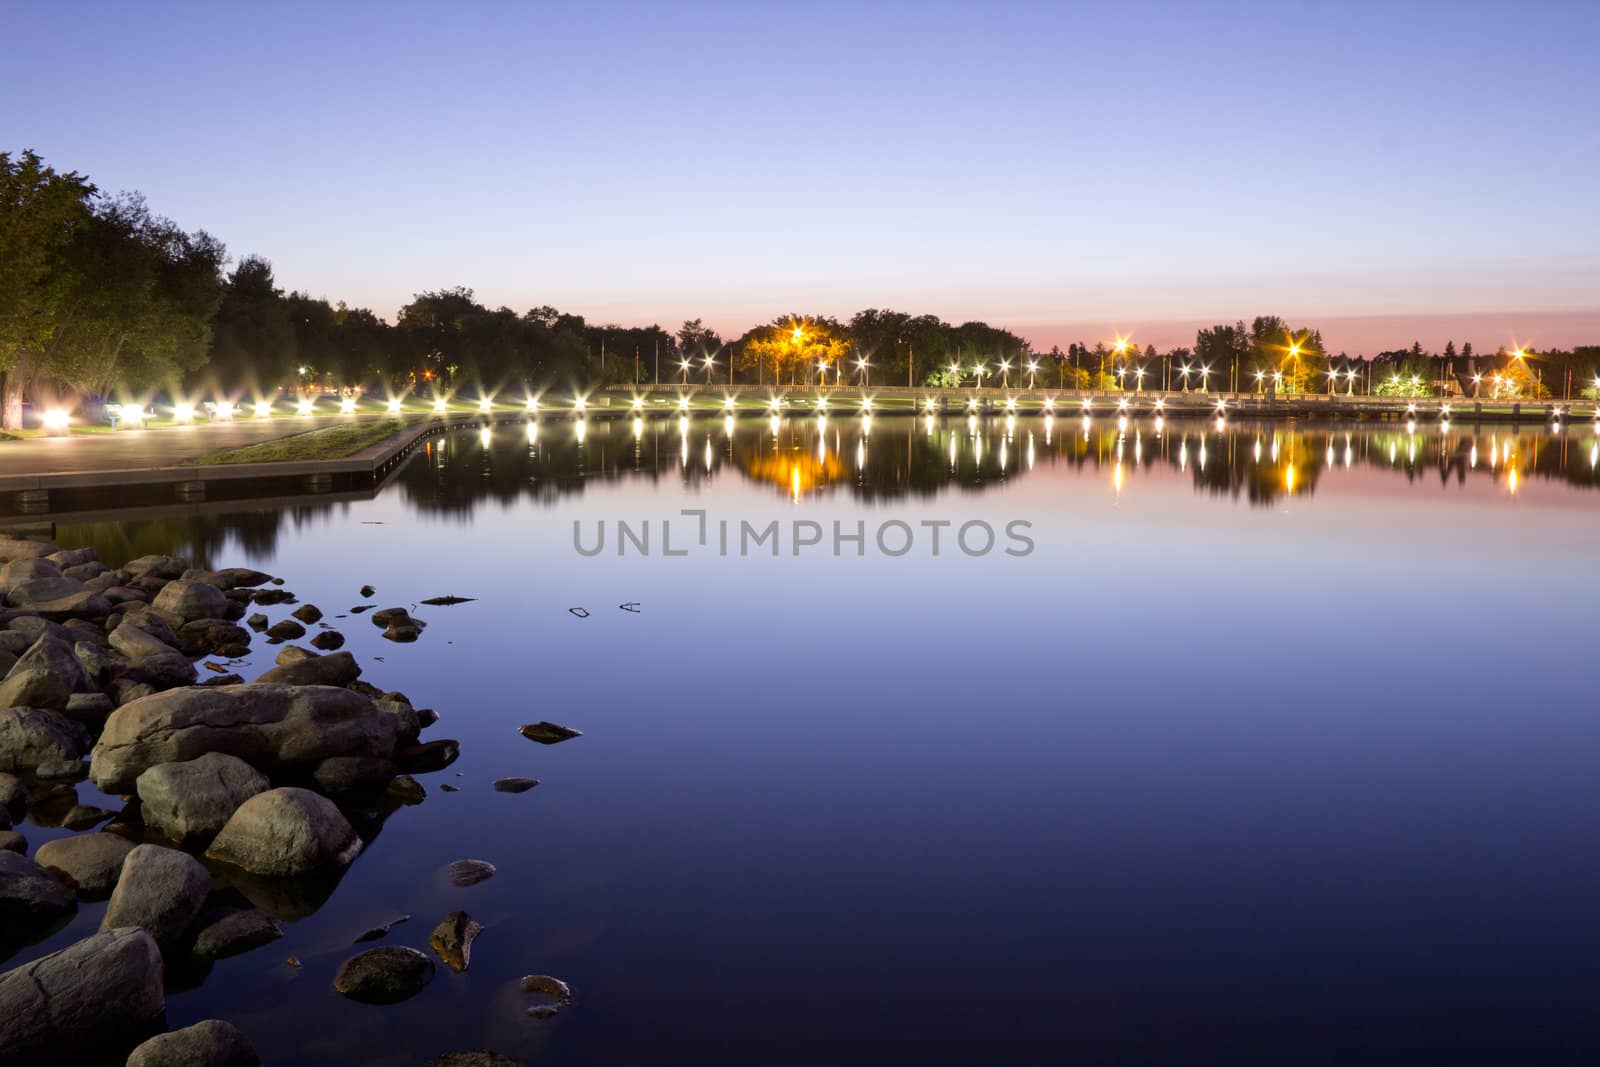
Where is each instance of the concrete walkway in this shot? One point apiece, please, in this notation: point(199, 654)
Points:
point(161, 447)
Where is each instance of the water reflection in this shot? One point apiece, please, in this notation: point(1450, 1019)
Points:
point(885, 457)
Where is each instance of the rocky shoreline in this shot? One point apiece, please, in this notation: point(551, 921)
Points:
point(243, 802)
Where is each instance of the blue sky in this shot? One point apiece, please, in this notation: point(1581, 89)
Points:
point(1063, 169)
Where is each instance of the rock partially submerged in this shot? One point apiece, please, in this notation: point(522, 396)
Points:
point(190, 801)
point(548, 733)
point(452, 940)
point(471, 872)
point(514, 785)
point(285, 833)
point(161, 890)
point(337, 668)
point(92, 862)
point(225, 932)
point(100, 990)
point(212, 1043)
point(30, 896)
point(545, 995)
point(385, 975)
point(31, 736)
point(272, 727)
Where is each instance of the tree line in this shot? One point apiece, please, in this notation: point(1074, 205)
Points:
point(102, 298)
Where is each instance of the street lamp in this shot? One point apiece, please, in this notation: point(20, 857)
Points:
point(1183, 372)
point(1033, 369)
point(1205, 372)
point(1477, 385)
point(1261, 380)
point(710, 362)
point(1138, 379)
point(1005, 369)
point(862, 365)
point(685, 365)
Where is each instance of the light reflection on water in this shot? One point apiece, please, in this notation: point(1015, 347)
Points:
point(1194, 781)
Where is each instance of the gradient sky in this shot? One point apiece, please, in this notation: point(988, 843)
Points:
point(1385, 171)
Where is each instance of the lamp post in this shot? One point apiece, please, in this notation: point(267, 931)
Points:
point(863, 365)
point(1033, 369)
point(1205, 372)
point(1005, 371)
point(685, 365)
point(710, 362)
point(1183, 372)
point(1138, 380)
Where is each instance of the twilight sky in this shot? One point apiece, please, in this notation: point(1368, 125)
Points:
point(1384, 171)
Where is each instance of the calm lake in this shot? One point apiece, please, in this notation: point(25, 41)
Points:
point(1280, 745)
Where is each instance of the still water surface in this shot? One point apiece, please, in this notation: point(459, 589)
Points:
point(1279, 747)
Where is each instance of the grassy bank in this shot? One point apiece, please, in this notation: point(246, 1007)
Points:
point(331, 442)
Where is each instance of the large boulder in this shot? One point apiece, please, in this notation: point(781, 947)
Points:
point(29, 896)
point(229, 577)
point(162, 664)
point(192, 800)
point(156, 567)
point(55, 598)
point(338, 668)
point(21, 570)
point(31, 736)
point(74, 557)
point(44, 676)
point(160, 890)
point(285, 833)
point(93, 861)
point(101, 989)
point(271, 727)
point(183, 601)
point(17, 548)
point(212, 1043)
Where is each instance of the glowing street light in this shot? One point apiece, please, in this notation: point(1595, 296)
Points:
point(183, 412)
point(263, 409)
point(1005, 370)
point(638, 402)
point(1138, 379)
point(131, 414)
point(728, 402)
point(347, 406)
point(686, 364)
point(225, 409)
point(56, 420)
point(304, 407)
point(710, 362)
point(579, 404)
point(440, 405)
point(1033, 369)
point(485, 404)
point(683, 402)
point(1205, 372)
point(533, 404)
point(394, 405)
point(862, 365)
point(1183, 372)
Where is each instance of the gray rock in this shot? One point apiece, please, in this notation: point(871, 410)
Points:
point(13, 794)
point(34, 689)
point(93, 861)
point(74, 557)
point(225, 932)
point(11, 841)
point(229, 577)
point(191, 801)
point(428, 756)
point(257, 622)
point(337, 668)
point(34, 626)
point(212, 1043)
point(384, 975)
point(84, 630)
point(470, 872)
point(272, 727)
point(284, 833)
point(150, 653)
point(183, 601)
point(85, 816)
point(452, 940)
point(7, 661)
point(307, 613)
point(514, 785)
point(548, 733)
point(85, 572)
point(293, 654)
point(328, 640)
point(151, 622)
point(58, 598)
point(273, 596)
point(90, 709)
point(224, 679)
point(392, 616)
point(17, 548)
point(156, 567)
point(25, 570)
point(403, 632)
point(30, 896)
point(54, 656)
point(212, 635)
point(346, 774)
point(91, 993)
point(99, 663)
point(545, 995)
point(286, 630)
point(31, 736)
point(407, 725)
point(407, 790)
point(31, 591)
point(160, 890)
point(14, 643)
point(65, 771)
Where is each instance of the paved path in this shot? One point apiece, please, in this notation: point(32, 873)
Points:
point(139, 449)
